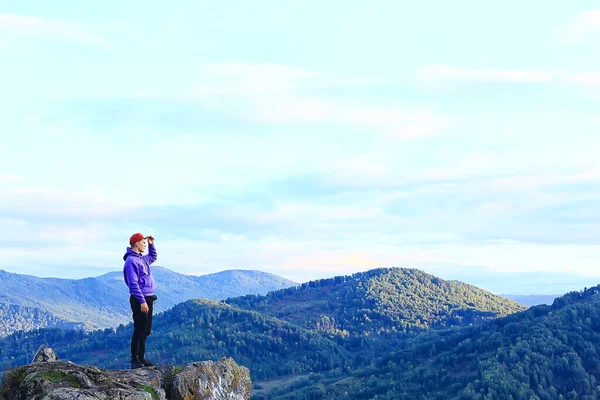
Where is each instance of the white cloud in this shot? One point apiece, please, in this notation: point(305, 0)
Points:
point(259, 71)
point(502, 168)
point(253, 80)
point(257, 79)
point(22, 233)
point(66, 204)
point(444, 72)
point(301, 260)
point(63, 261)
point(279, 93)
point(8, 177)
point(366, 167)
point(306, 260)
point(45, 28)
point(545, 180)
point(582, 25)
point(395, 123)
point(309, 239)
point(319, 213)
point(588, 79)
point(439, 74)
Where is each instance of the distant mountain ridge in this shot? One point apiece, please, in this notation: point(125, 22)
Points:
point(28, 302)
point(15, 317)
point(531, 299)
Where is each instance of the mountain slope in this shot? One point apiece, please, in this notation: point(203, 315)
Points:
point(81, 301)
point(27, 318)
point(385, 300)
point(546, 352)
point(104, 301)
point(196, 329)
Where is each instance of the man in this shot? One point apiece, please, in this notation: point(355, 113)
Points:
point(139, 279)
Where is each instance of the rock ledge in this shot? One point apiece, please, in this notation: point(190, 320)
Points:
point(49, 378)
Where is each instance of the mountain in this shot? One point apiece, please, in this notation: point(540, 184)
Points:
point(174, 288)
point(84, 302)
point(371, 313)
point(384, 300)
point(28, 302)
point(15, 318)
point(546, 352)
point(532, 299)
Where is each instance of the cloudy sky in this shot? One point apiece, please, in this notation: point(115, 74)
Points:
point(308, 139)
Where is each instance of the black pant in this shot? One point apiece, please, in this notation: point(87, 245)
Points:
point(142, 325)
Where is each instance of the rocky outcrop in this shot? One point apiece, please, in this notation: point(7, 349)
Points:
point(44, 354)
point(49, 378)
point(208, 380)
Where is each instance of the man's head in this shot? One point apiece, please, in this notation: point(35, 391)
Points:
point(137, 242)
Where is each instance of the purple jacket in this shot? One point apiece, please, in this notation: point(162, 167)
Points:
point(137, 273)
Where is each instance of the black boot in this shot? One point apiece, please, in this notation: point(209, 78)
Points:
point(146, 363)
point(136, 363)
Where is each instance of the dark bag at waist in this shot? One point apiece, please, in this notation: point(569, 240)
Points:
point(149, 299)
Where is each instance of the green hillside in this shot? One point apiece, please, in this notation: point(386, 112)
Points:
point(544, 353)
point(380, 301)
point(191, 331)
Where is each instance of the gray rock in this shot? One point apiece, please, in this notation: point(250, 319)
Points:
point(44, 354)
point(78, 394)
point(48, 378)
point(209, 380)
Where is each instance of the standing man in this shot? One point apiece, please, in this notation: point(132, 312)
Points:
point(140, 281)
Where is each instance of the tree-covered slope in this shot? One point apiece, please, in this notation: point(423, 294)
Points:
point(544, 353)
point(194, 330)
point(385, 300)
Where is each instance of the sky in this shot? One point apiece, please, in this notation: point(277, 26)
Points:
point(305, 139)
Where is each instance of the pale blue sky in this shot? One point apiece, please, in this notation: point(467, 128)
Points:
point(307, 139)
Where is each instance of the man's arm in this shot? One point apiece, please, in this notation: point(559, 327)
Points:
point(132, 282)
point(152, 254)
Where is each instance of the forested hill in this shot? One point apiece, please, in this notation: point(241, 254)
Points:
point(384, 300)
point(544, 353)
point(194, 330)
